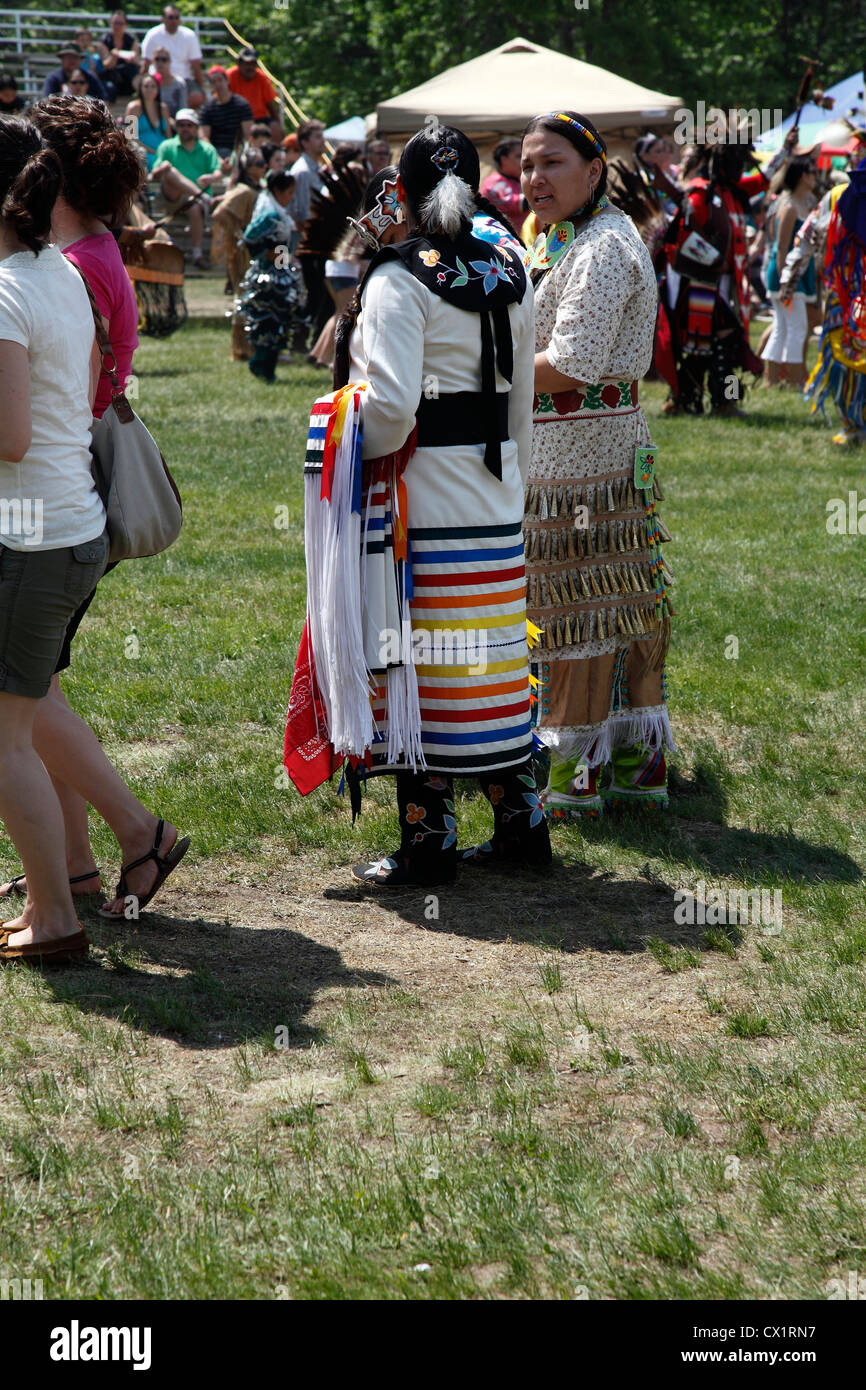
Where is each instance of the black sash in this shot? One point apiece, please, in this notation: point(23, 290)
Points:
point(460, 418)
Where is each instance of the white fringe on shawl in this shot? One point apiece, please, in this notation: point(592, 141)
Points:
point(337, 597)
point(332, 538)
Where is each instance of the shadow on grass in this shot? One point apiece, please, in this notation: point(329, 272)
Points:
point(240, 985)
point(696, 833)
point(571, 907)
point(575, 908)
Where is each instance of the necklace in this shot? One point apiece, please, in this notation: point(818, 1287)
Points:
point(549, 246)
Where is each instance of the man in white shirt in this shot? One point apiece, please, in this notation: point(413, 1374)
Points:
point(184, 49)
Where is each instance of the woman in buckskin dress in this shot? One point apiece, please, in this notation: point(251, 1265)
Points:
point(596, 580)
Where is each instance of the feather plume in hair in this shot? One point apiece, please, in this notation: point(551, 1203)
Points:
point(448, 207)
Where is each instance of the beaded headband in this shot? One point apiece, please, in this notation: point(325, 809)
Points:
point(582, 130)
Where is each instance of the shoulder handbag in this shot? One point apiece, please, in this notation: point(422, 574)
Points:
point(142, 504)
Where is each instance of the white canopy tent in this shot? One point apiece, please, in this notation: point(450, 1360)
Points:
point(498, 92)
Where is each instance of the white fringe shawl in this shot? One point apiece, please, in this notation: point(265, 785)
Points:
point(338, 596)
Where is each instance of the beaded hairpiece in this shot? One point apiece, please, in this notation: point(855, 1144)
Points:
point(386, 212)
point(582, 130)
point(445, 158)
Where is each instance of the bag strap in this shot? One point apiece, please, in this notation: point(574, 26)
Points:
point(102, 338)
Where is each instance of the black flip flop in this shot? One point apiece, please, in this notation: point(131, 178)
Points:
point(165, 865)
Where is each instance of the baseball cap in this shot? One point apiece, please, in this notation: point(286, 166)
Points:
point(248, 55)
point(186, 113)
point(217, 71)
point(69, 48)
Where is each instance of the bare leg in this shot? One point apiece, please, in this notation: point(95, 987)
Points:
point(73, 754)
point(176, 186)
point(196, 226)
point(31, 813)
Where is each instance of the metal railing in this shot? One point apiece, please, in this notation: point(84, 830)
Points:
point(29, 38)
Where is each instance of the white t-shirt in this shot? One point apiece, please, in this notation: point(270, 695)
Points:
point(49, 500)
point(182, 45)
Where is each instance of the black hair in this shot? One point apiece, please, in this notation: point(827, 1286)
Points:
point(7, 80)
point(30, 179)
point(440, 171)
point(795, 169)
point(245, 174)
point(585, 147)
point(278, 179)
point(502, 149)
point(345, 153)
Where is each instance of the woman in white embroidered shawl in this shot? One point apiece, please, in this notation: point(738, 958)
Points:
point(445, 344)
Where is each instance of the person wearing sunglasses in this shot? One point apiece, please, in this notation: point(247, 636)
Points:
point(188, 167)
point(172, 89)
point(70, 66)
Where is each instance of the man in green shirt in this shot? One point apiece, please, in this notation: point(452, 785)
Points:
point(186, 165)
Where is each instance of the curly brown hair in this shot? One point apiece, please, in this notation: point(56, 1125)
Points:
point(101, 170)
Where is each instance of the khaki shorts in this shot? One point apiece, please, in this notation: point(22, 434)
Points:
point(40, 590)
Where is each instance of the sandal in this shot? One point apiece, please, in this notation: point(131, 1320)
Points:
point(15, 889)
point(165, 865)
point(56, 952)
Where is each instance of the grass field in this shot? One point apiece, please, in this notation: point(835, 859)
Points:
point(275, 1086)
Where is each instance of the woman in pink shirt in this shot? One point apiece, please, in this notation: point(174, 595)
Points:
point(100, 175)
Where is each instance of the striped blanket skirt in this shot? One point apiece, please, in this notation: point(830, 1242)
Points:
point(468, 619)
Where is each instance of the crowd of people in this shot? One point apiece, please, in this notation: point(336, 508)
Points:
point(516, 504)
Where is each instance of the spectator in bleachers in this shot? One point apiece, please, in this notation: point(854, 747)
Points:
point(260, 135)
point(247, 80)
point(92, 54)
point(122, 62)
point(274, 156)
point(183, 45)
point(188, 166)
point(12, 102)
point(172, 89)
point(153, 122)
point(77, 84)
point(226, 116)
point(70, 60)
